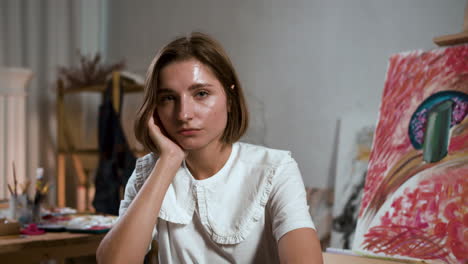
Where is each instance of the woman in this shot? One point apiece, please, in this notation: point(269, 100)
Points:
point(207, 198)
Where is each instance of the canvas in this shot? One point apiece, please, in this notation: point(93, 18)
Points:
point(415, 201)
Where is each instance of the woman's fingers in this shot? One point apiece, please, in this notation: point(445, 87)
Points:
point(154, 128)
point(161, 141)
point(155, 132)
point(151, 123)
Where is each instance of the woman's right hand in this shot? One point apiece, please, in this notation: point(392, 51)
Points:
point(165, 146)
point(129, 238)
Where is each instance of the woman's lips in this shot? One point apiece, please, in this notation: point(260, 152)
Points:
point(189, 132)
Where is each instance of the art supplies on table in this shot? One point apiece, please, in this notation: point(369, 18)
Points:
point(22, 207)
point(19, 202)
point(78, 223)
point(32, 230)
point(91, 224)
point(40, 194)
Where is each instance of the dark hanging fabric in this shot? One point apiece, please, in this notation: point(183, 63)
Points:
point(116, 161)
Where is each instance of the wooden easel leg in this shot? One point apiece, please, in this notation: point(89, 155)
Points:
point(91, 191)
point(82, 182)
point(81, 198)
point(61, 180)
point(454, 39)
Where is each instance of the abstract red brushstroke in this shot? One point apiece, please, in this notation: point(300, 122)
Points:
point(429, 220)
point(410, 78)
point(426, 222)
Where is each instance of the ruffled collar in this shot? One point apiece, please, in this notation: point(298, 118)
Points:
point(230, 202)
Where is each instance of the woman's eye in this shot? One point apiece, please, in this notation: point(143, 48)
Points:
point(166, 98)
point(202, 94)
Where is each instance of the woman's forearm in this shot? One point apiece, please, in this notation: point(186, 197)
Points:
point(128, 240)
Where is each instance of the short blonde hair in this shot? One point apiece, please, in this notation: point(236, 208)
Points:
point(208, 51)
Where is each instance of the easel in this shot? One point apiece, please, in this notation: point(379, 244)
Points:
point(67, 148)
point(455, 39)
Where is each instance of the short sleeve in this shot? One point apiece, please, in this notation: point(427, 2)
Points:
point(130, 193)
point(288, 205)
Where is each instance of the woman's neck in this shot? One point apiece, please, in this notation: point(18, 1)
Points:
point(206, 162)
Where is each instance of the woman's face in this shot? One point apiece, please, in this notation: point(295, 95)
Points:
point(192, 104)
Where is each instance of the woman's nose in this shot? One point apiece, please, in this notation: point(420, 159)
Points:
point(185, 109)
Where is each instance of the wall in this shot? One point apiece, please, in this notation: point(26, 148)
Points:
point(302, 63)
point(39, 35)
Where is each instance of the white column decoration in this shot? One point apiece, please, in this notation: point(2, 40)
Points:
point(13, 83)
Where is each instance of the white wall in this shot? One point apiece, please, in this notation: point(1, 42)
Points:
point(303, 63)
point(39, 35)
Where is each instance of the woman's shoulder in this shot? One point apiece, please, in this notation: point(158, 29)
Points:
point(143, 167)
point(146, 159)
point(256, 154)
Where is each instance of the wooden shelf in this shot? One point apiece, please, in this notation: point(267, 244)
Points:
point(66, 148)
point(130, 88)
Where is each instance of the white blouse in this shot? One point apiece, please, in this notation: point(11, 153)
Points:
point(236, 216)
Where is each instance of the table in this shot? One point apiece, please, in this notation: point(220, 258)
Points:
point(58, 246)
point(63, 245)
point(329, 258)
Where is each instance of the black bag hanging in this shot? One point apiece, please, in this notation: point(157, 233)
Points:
point(116, 161)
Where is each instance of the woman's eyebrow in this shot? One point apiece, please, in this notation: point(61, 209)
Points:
point(199, 85)
point(165, 90)
point(191, 87)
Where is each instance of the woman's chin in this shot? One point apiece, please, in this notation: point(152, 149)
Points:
point(190, 144)
point(193, 144)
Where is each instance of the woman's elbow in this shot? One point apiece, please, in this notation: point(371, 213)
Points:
point(100, 253)
point(105, 254)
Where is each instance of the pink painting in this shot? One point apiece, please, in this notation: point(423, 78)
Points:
point(415, 202)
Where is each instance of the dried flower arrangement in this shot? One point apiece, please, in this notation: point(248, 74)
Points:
point(90, 72)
